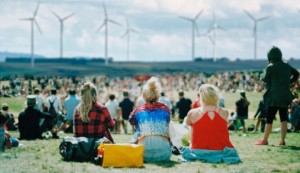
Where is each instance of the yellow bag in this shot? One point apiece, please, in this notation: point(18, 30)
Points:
point(122, 155)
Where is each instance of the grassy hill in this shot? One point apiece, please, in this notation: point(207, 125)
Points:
point(128, 68)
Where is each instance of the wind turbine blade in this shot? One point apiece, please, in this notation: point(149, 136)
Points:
point(299, 10)
point(100, 27)
point(198, 15)
point(248, 14)
point(263, 18)
point(56, 15)
point(112, 21)
point(207, 32)
point(37, 24)
point(211, 40)
point(133, 30)
point(67, 17)
point(36, 10)
point(185, 18)
point(210, 29)
point(125, 34)
point(221, 28)
point(105, 12)
point(29, 18)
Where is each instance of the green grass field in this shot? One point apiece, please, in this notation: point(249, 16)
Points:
point(43, 155)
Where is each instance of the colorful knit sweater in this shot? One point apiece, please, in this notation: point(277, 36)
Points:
point(150, 119)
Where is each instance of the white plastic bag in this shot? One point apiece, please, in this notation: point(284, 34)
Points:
point(177, 132)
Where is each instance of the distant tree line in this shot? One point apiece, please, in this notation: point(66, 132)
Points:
point(80, 60)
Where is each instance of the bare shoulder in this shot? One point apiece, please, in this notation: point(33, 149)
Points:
point(193, 111)
point(224, 113)
point(193, 115)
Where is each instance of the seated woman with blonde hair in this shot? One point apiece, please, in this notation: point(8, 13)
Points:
point(91, 119)
point(209, 135)
point(151, 122)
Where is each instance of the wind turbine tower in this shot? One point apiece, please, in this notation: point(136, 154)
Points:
point(214, 27)
point(105, 24)
point(61, 21)
point(194, 26)
point(255, 30)
point(128, 30)
point(33, 22)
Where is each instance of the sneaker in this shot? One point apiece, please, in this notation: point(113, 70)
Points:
point(261, 142)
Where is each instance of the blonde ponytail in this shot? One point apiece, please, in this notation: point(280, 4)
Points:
point(88, 98)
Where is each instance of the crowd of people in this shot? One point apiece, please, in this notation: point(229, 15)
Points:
point(95, 107)
point(225, 81)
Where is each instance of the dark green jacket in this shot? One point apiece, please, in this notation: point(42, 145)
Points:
point(278, 76)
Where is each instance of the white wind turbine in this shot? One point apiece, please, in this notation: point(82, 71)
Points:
point(128, 31)
point(105, 24)
point(194, 26)
point(206, 37)
point(61, 21)
point(33, 21)
point(255, 30)
point(214, 27)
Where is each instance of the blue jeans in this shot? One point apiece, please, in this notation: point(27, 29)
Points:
point(156, 148)
point(2, 138)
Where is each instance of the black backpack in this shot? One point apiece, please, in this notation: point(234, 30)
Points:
point(51, 109)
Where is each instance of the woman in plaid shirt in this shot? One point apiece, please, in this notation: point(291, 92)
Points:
point(91, 119)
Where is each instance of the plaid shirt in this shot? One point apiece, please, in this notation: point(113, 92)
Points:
point(98, 125)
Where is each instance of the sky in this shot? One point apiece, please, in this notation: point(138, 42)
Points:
point(162, 35)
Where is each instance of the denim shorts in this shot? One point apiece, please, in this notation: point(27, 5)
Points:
point(156, 148)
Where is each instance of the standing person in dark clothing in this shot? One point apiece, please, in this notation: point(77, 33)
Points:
point(278, 77)
point(261, 113)
point(183, 105)
point(29, 121)
point(242, 106)
point(126, 106)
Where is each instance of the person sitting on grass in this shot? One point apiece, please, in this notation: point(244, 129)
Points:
point(10, 124)
point(91, 119)
point(294, 115)
point(209, 135)
point(29, 125)
point(70, 105)
point(151, 122)
point(6, 141)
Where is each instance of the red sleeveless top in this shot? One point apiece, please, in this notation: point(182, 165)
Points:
point(210, 134)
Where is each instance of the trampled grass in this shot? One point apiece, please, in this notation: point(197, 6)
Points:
point(43, 155)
